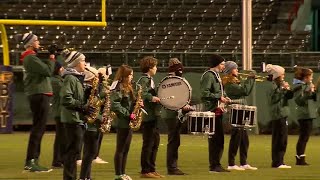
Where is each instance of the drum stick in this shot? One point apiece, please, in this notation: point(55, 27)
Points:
point(170, 97)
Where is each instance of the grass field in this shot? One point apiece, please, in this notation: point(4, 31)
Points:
point(193, 159)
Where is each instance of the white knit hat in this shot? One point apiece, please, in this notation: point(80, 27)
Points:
point(90, 73)
point(72, 58)
point(28, 39)
point(275, 70)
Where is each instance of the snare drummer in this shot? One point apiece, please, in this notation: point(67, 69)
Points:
point(278, 95)
point(150, 131)
point(174, 124)
point(212, 94)
point(239, 137)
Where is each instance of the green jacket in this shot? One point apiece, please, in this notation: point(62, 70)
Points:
point(306, 105)
point(38, 73)
point(122, 105)
point(239, 91)
point(57, 82)
point(278, 101)
point(72, 97)
point(147, 93)
point(210, 90)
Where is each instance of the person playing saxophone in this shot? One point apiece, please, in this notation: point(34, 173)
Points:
point(150, 131)
point(122, 103)
point(92, 134)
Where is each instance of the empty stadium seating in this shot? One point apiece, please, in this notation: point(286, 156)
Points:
point(195, 26)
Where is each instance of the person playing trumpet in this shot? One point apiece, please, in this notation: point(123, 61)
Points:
point(278, 95)
point(239, 136)
point(304, 97)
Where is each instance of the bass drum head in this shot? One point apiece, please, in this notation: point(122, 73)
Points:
point(174, 92)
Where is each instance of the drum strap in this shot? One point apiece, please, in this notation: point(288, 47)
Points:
point(150, 79)
point(217, 76)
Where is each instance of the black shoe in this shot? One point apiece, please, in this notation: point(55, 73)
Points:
point(57, 165)
point(176, 172)
point(218, 169)
point(301, 161)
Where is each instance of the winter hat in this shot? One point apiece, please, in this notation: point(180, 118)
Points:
point(229, 65)
point(275, 70)
point(90, 73)
point(72, 58)
point(215, 60)
point(175, 65)
point(28, 39)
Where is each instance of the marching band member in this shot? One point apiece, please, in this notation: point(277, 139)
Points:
point(212, 94)
point(239, 136)
point(278, 94)
point(92, 133)
point(58, 147)
point(173, 124)
point(150, 131)
point(103, 76)
point(122, 103)
point(72, 111)
point(305, 98)
point(38, 90)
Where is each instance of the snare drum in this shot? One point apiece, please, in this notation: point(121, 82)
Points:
point(201, 122)
point(242, 115)
point(174, 92)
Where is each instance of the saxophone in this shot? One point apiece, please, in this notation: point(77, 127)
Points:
point(136, 123)
point(107, 115)
point(94, 101)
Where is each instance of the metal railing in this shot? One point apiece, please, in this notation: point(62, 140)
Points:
point(196, 60)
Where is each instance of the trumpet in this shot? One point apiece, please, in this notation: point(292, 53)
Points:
point(257, 77)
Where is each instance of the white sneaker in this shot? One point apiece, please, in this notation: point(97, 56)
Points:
point(248, 167)
point(235, 167)
point(283, 166)
point(99, 161)
point(126, 177)
point(79, 162)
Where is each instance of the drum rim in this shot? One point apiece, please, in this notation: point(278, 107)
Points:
point(181, 78)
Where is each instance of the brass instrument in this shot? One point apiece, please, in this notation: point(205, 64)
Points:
point(258, 78)
point(136, 123)
point(94, 101)
point(107, 115)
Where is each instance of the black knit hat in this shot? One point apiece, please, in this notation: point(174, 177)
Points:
point(215, 60)
point(57, 67)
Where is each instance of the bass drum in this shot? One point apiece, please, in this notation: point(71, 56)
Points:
point(174, 92)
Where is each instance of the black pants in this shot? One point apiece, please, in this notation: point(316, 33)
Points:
point(73, 138)
point(99, 144)
point(59, 143)
point(39, 105)
point(216, 143)
point(279, 141)
point(174, 127)
point(124, 136)
point(239, 137)
point(304, 134)
point(150, 145)
point(90, 149)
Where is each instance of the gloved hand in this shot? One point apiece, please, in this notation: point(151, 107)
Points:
point(132, 116)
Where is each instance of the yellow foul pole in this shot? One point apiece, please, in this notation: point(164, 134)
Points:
point(4, 38)
point(5, 44)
